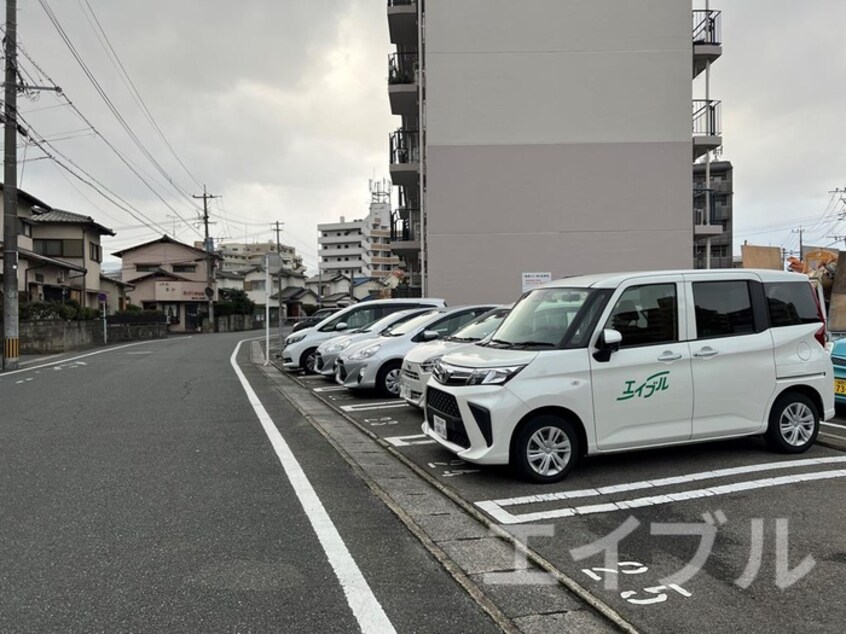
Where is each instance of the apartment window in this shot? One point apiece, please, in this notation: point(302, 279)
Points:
point(59, 248)
point(719, 250)
point(24, 228)
point(39, 277)
point(184, 268)
point(95, 252)
point(146, 268)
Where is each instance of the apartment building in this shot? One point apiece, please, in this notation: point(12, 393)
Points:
point(359, 248)
point(544, 135)
point(718, 225)
point(243, 255)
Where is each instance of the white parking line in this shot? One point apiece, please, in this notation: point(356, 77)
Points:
point(331, 388)
point(408, 441)
point(843, 427)
point(366, 407)
point(364, 605)
point(496, 508)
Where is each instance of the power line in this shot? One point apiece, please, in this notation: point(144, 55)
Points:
point(127, 80)
point(111, 106)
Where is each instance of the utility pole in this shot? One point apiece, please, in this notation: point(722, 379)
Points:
point(209, 248)
point(801, 233)
point(278, 230)
point(11, 341)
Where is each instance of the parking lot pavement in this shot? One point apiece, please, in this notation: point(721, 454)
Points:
point(715, 536)
point(833, 432)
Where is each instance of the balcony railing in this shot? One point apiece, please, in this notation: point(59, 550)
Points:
point(402, 68)
point(717, 204)
point(401, 3)
point(706, 117)
point(404, 147)
point(404, 230)
point(707, 27)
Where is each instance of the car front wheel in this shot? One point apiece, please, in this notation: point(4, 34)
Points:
point(794, 423)
point(545, 449)
point(388, 379)
point(307, 360)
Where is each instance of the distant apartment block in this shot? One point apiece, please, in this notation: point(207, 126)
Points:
point(545, 135)
point(359, 248)
point(719, 224)
point(243, 255)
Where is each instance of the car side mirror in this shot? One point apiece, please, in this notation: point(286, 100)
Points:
point(341, 325)
point(608, 343)
point(429, 335)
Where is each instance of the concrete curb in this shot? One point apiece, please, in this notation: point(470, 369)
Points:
point(611, 617)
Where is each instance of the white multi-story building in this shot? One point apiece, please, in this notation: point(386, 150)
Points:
point(544, 136)
point(359, 248)
point(243, 255)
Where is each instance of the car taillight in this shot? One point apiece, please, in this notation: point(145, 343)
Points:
point(819, 335)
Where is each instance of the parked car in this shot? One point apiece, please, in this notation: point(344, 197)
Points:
point(838, 359)
point(609, 363)
point(418, 363)
point(299, 349)
point(314, 319)
point(328, 351)
point(376, 363)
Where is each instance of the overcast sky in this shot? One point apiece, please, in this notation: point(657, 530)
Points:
point(281, 107)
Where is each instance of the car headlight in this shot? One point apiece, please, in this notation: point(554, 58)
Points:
point(429, 364)
point(365, 353)
point(338, 347)
point(294, 339)
point(494, 376)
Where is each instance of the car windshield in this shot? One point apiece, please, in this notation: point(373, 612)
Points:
point(410, 325)
point(388, 320)
point(541, 319)
point(481, 327)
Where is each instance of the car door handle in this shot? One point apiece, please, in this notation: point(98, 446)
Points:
point(670, 356)
point(705, 353)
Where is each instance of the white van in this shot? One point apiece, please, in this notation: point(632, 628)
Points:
point(608, 363)
point(300, 347)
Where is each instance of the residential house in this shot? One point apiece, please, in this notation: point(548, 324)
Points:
point(60, 253)
point(172, 277)
point(332, 290)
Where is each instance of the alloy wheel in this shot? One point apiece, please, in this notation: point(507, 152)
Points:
point(549, 451)
point(797, 424)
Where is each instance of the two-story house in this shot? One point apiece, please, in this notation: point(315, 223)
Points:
point(59, 253)
point(169, 276)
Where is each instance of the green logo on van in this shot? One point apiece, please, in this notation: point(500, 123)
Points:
point(655, 383)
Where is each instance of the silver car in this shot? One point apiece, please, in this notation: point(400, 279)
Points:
point(376, 363)
point(328, 351)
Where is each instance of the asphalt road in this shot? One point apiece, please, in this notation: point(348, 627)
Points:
point(140, 493)
point(777, 559)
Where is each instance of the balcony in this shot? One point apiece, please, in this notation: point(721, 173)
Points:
point(402, 83)
point(707, 38)
point(402, 21)
point(714, 218)
point(405, 158)
point(707, 127)
point(405, 235)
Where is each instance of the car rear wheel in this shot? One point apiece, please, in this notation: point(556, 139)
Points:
point(545, 449)
point(388, 379)
point(794, 423)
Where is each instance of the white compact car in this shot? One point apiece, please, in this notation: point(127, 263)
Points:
point(418, 363)
point(609, 363)
point(300, 346)
point(376, 363)
point(328, 351)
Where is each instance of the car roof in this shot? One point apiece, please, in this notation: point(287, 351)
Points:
point(612, 280)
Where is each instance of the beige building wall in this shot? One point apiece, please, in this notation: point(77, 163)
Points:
point(557, 138)
point(56, 231)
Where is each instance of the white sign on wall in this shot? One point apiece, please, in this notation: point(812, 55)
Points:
point(533, 280)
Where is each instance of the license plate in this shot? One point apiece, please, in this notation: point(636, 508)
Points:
point(440, 426)
point(840, 386)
